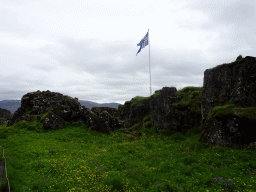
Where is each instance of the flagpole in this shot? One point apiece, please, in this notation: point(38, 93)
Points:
point(149, 62)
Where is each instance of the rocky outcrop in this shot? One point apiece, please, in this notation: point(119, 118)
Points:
point(229, 103)
point(53, 110)
point(134, 111)
point(224, 108)
point(5, 115)
point(187, 112)
point(13, 105)
point(166, 109)
point(173, 112)
point(107, 114)
point(162, 112)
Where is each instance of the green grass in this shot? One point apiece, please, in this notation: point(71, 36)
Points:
point(74, 158)
point(225, 64)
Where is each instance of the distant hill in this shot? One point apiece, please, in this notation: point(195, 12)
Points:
point(13, 105)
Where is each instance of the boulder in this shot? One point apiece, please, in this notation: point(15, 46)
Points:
point(5, 116)
point(107, 114)
point(52, 121)
point(37, 103)
point(94, 122)
point(229, 103)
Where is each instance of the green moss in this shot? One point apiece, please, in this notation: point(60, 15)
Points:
point(189, 96)
point(147, 122)
point(34, 126)
point(126, 102)
point(146, 118)
point(28, 110)
point(68, 97)
point(121, 106)
point(127, 123)
point(44, 115)
point(225, 64)
point(246, 112)
point(139, 99)
point(155, 94)
point(231, 109)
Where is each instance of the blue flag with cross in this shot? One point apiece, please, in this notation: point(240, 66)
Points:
point(143, 43)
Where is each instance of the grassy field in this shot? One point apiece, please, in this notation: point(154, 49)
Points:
point(74, 158)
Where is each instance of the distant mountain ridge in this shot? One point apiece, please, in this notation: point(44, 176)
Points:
point(13, 105)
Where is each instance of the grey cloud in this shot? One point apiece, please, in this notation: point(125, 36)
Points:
point(9, 22)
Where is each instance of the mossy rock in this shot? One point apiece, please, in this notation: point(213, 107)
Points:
point(44, 115)
point(239, 58)
point(230, 108)
point(28, 110)
point(68, 97)
point(127, 123)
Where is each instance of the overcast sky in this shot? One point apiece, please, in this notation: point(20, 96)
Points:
point(87, 48)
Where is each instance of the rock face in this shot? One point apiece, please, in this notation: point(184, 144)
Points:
point(187, 112)
point(162, 111)
point(167, 111)
point(134, 111)
point(53, 110)
point(229, 103)
point(5, 115)
point(176, 113)
point(107, 115)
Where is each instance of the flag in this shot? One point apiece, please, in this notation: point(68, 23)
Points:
point(143, 43)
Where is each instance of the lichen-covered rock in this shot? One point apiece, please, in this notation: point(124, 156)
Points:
point(229, 103)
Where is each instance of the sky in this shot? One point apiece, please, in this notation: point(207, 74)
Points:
point(87, 48)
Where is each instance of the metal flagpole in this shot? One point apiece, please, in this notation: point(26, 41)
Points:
point(149, 62)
